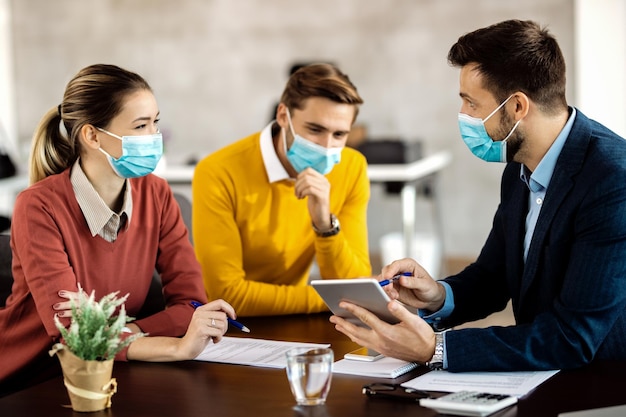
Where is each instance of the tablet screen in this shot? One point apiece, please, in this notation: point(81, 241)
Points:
point(364, 292)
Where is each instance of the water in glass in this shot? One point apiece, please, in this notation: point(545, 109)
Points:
point(309, 372)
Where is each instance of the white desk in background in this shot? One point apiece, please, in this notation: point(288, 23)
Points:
point(409, 174)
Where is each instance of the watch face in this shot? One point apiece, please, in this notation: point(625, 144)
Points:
point(334, 229)
point(435, 365)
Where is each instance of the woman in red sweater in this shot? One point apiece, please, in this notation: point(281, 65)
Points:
point(95, 216)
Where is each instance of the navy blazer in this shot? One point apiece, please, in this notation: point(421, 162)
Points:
point(569, 298)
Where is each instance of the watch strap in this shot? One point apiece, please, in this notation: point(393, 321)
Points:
point(436, 362)
point(334, 228)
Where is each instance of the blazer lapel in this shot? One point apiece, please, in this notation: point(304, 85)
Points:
point(514, 213)
point(567, 166)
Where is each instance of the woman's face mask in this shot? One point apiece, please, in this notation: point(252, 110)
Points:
point(140, 154)
point(305, 154)
point(478, 140)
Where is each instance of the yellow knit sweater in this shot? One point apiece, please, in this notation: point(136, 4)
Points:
point(254, 239)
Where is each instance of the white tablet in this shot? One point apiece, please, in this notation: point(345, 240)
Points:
point(364, 292)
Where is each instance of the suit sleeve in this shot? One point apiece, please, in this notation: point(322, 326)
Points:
point(579, 289)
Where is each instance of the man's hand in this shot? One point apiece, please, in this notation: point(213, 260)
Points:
point(412, 339)
point(315, 186)
point(419, 290)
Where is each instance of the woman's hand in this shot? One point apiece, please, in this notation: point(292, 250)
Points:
point(64, 308)
point(209, 323)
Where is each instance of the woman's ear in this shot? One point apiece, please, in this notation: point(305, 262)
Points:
point(88, 136)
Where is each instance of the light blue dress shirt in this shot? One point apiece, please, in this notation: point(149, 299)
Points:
point(537, 182)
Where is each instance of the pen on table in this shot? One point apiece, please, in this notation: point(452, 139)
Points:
point(238, 325)
point(394, 278)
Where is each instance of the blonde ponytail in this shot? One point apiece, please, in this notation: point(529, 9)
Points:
point(52, 151)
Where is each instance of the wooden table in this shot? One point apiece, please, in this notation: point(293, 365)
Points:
point(210, 389)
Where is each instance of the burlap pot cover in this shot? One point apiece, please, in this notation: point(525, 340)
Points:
point(89, 383)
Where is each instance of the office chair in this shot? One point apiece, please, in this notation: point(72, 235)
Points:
point(5, 224)
point(185, 211)
point(6, 275)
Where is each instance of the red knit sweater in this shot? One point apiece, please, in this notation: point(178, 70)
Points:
point(53, 250)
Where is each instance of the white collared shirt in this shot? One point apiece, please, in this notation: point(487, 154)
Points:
point(273, 167)
point(102, 221)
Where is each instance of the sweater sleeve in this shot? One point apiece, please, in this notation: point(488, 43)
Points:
point(180, 272)
point(219, 249)
point(35, 232)
point(224, 199)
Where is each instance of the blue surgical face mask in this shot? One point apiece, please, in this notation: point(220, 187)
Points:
point(305, 154)
point(478, 140)
point(140, 154)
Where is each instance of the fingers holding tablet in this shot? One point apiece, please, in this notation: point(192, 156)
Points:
point(364, 292)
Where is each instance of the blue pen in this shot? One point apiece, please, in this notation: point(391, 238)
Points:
point(238, 325)
point(394, 278)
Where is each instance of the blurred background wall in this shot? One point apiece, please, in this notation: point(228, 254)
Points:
point(218, 66)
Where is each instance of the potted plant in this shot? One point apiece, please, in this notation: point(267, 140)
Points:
point(88, 347)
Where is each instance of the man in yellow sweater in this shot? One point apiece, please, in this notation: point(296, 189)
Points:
point(265, 206)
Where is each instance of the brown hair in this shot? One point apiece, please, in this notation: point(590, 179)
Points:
point(516, 55)
point(94, 96)
point(320, 80)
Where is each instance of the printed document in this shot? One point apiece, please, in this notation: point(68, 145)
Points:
point(510, 383)
point(253, 352)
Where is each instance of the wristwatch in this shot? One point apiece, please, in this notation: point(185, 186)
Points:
point(436, 362)
point(334, 227)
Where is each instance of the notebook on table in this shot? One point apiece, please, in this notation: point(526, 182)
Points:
point(382, 368)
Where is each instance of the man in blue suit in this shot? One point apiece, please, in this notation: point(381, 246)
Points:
point(557, 247)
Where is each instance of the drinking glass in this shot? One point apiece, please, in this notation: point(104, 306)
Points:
point(310, 371)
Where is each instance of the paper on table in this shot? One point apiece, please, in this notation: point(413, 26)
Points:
point(249, 351)
point(509, 383)
point(382, 368)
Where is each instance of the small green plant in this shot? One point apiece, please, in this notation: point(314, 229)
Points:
point(95, 333)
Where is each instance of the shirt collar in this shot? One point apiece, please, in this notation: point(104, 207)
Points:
point(95, 210)
point(273, 167)
point(540, 178)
